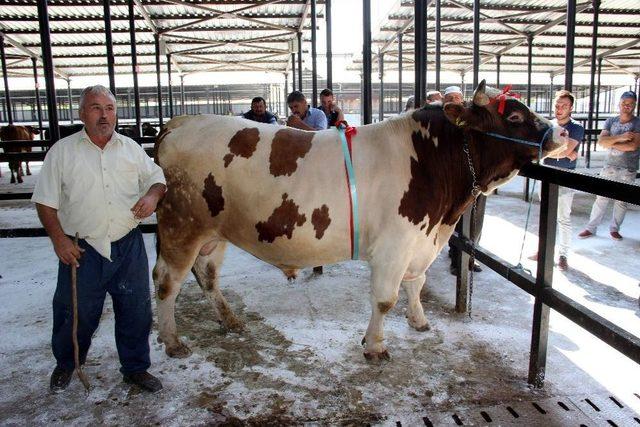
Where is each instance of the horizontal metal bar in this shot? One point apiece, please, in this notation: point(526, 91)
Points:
point(591, 184)
point(623, 341)
point(40, 232)
point(15, 196)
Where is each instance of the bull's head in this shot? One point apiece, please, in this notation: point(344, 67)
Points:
point(493, 112)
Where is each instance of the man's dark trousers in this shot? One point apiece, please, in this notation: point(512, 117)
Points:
point(127, 281)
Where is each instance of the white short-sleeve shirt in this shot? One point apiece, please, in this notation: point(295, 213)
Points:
point(94, 189)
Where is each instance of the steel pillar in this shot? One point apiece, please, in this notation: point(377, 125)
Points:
point(134, 67)
point(476, 42)
point(420, 18)
point(366, 62)
point(314, 70)
point(182, 110)
point(299, 35)
point(170, 85)
point(592, 88)
point(156, 38)
point(70, 100)
point(381, 76)
point(498, 58)
point(570, 43)
point(293, 71)
point(400, 106)
point(438, 42)
point(327, 11)
point(109, 44)
point(7, 94)
point(47, 60)
point(34, 63)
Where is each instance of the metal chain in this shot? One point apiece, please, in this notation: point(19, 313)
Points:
point(475, 192)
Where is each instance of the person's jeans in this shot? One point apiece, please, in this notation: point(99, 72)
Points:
point(127, 281)
point(601, 203)
point(565, 200)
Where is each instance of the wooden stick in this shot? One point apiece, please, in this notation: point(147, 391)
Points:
point(74, 301)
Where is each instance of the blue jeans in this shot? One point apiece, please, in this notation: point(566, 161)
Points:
point(127, 281)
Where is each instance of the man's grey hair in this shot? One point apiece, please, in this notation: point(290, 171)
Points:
point(95, 90)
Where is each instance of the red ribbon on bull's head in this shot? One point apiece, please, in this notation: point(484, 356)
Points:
point(502, 98)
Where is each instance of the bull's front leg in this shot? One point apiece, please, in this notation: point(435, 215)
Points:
point(385, 284)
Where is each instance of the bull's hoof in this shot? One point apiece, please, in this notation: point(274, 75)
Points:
point(423, 328)
point(179, 351)
point(377, 357)
point(234, 325)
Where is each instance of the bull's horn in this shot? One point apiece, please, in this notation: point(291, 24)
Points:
point(480, 98)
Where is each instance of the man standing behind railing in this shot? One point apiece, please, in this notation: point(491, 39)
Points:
point(567, 160)
point(621, 135)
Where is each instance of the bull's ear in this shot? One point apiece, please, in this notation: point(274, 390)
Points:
point(480, 98)
point(454, 113)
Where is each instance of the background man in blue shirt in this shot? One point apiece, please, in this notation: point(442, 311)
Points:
point(302, 115)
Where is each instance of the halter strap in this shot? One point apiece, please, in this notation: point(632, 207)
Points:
point(346, 132)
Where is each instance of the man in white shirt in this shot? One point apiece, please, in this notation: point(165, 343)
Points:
point(100, 184)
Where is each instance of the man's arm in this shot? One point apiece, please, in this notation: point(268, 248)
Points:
point(624, 142)
point(296, 122)
point(66, 251)
point(340, 114)
point(569, 152)
point(148, 203)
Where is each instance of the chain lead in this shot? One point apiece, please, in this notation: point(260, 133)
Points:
point(475, 192)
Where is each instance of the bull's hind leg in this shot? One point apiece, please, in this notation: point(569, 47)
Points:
point(206, 269)
point(168, 274)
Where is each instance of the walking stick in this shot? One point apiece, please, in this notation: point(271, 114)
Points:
point(74, 302)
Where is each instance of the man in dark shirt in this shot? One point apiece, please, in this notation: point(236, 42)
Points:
point(258, 112)
point(565, 160)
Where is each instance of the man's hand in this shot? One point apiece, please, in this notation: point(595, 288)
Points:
point(145, 206)
point(67, 251)
point(572, 156)
point(294, 121)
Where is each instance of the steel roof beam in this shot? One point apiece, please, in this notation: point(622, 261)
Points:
point(18, 45)
point(604, 54)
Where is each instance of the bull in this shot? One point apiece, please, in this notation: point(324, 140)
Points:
point(11, 133)
point(281, 195)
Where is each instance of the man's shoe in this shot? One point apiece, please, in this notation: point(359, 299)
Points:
point(533, 257)
point(60, 379)
point(144, 380)
point(584, 234)
point(615, 235)
point(563, 265)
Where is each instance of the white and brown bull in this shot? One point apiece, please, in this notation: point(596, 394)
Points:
point(11, 133)
point(281, 194)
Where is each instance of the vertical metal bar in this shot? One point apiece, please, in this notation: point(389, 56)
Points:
point(544, 278)
point(293, 71)
point(300, 62)
point(400, 73)
point(597, 120)
point(381, 76)
point(34, 62)
point(109, 44)
point(570, 43)
point(156, 38)
point(7, 94)
point(70, 101)
point(327, 11)
point(476, 42)
point(498, 58)
point(314, 70)
point(286, 92)
point(182, 110)
point(438, 42)
point(366, 62)
point(592, 88)
point(47, 61)
point(134, 67)
point(170, 85)
point(550, 95)
point(462, 263)
point(420, 17)
point(529, 66)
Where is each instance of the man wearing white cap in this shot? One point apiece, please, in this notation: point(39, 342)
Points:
point(453, 94)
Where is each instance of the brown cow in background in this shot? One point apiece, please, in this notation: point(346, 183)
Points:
point(17, 133)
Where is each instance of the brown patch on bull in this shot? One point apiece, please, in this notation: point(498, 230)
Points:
point(320, 220)
point(384, 307)
point(287, 147)
point(281, 222)
point(212, 193)
point(243, 144)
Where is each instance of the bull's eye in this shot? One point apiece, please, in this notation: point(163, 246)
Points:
point(516, 117)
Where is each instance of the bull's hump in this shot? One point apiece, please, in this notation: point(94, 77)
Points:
point(287, 147)
point(242, 144)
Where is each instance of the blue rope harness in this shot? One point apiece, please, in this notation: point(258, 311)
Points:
point(351, 178)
